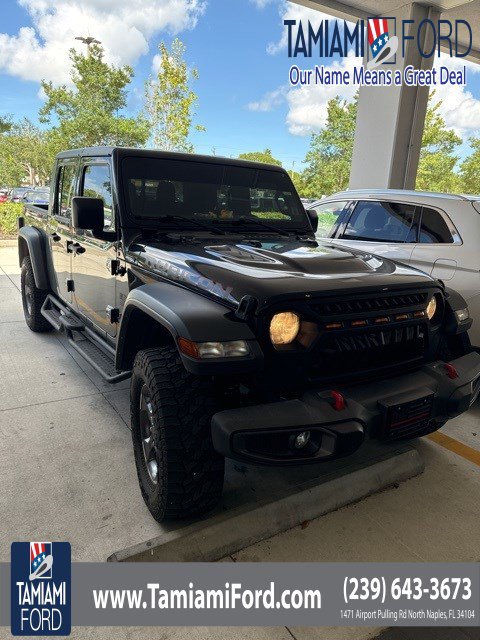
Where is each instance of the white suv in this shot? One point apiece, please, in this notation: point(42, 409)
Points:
point(436, 232)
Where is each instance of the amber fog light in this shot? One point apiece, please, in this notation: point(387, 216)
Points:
point(284, 327)
point(432, 308)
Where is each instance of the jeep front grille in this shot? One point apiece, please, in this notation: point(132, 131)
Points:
point(361, 336)
point(373, 340)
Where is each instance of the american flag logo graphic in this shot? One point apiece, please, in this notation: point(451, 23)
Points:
point(383, 46)
point(377, 34)
point(41, 560)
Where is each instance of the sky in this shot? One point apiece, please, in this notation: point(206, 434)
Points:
point(238, 47)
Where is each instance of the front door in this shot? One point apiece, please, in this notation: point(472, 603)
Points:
point(94, 282)
point(60, 226)
point(387, 229)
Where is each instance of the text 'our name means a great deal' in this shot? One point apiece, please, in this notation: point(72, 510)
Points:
point(322, 75)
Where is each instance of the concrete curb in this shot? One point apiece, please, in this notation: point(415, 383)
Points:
point(230, 531)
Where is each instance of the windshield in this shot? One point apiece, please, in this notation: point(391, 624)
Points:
point(37, 195)
point(202, 191)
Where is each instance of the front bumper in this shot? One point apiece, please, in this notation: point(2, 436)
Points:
point(405, 406)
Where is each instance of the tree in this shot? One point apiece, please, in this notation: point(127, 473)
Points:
point(25, 154)
point(5, 124)
point(90, 113)
point(436, 168)
point(470, 169)
point(169, 100)
point(329, 158)
point(260, 156)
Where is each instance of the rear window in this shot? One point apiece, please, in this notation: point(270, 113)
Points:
point(157, 187)
point(434, 228)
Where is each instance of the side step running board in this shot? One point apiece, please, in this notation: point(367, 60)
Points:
point(60, 316)
point(96, 351)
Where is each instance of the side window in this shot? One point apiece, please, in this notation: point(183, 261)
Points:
point(97, 184)
point(434, 228)
point(382, 222)
point(65, 190)
point(330, 216)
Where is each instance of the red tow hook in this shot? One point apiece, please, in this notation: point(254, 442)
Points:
point(452, 373)
point(338, 403)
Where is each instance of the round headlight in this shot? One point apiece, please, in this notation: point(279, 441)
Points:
point(284, 327)
point(432, 307)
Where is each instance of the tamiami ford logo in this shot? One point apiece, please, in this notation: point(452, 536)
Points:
point(378, 42)
point(40, 588)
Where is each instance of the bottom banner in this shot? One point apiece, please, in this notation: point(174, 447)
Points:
point(231, 594)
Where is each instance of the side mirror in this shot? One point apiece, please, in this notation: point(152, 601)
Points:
point(87, 213)
point(313, 217)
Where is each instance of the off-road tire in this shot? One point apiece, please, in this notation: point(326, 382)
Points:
point(190, 472)
point(33, 299)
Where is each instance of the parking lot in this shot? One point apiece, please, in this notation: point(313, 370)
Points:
point(68, 473)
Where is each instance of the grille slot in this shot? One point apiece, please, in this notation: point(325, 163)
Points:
point(357, 352)
point(367, 305)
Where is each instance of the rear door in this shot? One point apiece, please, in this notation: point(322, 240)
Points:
point(437, 250)
point(60, 224)
point(384, 228)
point(92, 257)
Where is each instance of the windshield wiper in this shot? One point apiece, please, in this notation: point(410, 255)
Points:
point(244, 220)
point(260, 223)
point(180, 221)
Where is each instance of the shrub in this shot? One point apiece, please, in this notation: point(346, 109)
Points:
point(9, 212)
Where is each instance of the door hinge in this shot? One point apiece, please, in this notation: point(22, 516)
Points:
point(70, 285)
point(113, 314)
point(116, 269)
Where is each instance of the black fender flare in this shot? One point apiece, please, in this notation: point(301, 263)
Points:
point(35, 241)
point(454, 301)
point(186, 314)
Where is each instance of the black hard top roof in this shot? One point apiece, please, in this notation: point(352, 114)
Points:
point(106, 151)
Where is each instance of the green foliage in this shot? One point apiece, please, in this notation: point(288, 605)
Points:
point(301, 183)
point(470, 169)
point(89, 114)
point(260, 156)
point(9, 212)
point(5, 124)
point(330, 156)
point(436, 169)
point(25, 154)
point(170, 102)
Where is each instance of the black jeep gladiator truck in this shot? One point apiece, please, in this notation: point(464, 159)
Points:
point(201, 279)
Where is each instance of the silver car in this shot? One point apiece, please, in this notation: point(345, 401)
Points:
point(436, 232)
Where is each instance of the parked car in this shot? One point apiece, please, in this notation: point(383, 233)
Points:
point(201, 279)
point(17, 193)
point(3, 195)
point(438, 233)
point(36, 196)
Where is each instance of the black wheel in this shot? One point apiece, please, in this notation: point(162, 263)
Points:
point(180, 473)
point(33, 299)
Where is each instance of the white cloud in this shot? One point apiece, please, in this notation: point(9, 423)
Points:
point(270, 100)
point(307, 105)
point(123, 26)
point(459, 107)
point(261, 4)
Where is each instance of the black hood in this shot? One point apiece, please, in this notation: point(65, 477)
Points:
point(272, 270)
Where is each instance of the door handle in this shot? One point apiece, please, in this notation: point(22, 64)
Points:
point(75, 248)
point(55, 236)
